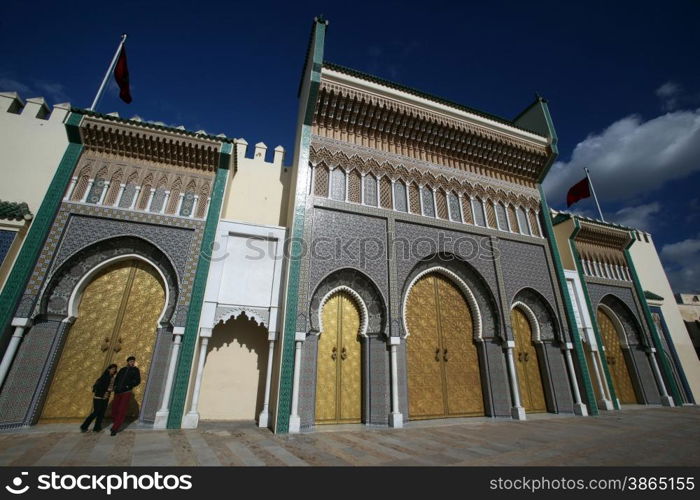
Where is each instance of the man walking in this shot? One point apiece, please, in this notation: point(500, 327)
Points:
point(127, 378)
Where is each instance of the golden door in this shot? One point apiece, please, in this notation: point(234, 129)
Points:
point(117, 318)
point(338, 369)
point(443, 365)
point(616, 360)
point(529, 377)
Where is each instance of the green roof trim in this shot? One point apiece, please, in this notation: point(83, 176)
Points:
point(562, 216)
point(424, 95)
point(151, 125)
point(652, 296)
point(10, 210)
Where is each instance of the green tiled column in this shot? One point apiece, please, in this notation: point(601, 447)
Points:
point(182, 375)
point(670, 380)
point(39, 230)
point(570, 316)
point(313, 73)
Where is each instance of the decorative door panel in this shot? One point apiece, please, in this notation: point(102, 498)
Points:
point(136, 335)
point(425, 375)
point(350, 363)
point(529, 376)
point(616, 359)
point(460, 360)
point(93, 342)
point(339, 363)
point(443, 365)
point(327, 363)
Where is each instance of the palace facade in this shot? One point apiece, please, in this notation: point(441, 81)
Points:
point(406, 266)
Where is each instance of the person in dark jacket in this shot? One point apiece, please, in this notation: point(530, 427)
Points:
point(102, 388)
point(127, 378)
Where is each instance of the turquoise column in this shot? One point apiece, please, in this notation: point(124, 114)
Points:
point(189, 340)
point(670, 380)
point(312, 78)
point(569, 308)
point(31, 248)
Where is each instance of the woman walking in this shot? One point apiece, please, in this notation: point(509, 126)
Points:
point(102, 388)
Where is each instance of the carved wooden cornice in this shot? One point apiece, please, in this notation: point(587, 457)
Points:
point(421, 132)
point(142, 143)
point(604, 236)
point(367, 161)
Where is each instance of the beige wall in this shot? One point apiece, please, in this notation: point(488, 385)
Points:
point(562, 232)
point(689, 307)
point(257, 190)
point(32, 142)
point(653, 279)
point(233, 383)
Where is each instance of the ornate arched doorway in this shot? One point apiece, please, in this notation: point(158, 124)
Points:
point(117, 317)
point(528, 367)
point(617, 365)
point(443, 364)
point(339, 365)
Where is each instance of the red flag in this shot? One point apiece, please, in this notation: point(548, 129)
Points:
point(121, 75)
point(578, 191)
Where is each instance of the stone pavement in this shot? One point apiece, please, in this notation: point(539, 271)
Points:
point(634, 436)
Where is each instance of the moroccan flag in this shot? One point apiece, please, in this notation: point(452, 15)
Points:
point(121, 75)
point(578, 191)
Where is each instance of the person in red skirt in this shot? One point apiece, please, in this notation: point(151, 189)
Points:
point(127, 378)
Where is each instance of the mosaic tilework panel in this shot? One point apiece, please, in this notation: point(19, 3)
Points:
point(525, 266)
point(498, 387)
point(343, 236)
point(25, 373)
point(379, 387)
point(59, 288)
point(644, 381)
point(401, 371)
point(6, 239)
point(307, 382)
point(558, 378)
point(358, 282)
point(178, 238)
point(546, 319)
point(474, 250)
point(625, 294)
point(156, 375)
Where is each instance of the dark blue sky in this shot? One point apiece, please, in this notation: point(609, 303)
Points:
point(233, 68)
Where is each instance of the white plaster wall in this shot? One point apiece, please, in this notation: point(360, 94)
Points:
point(653, 279)
point(32, 144)
point(248, 270)
point(245, 274)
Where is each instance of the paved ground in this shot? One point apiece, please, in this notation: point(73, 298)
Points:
point(634, 436)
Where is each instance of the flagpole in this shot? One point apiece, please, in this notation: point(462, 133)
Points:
point(588, 176)
point(109, 72)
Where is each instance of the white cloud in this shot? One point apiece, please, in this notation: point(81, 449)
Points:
point(669, 93)
point(631, 157)
point(639, 217)
point(682, 263)
point(12, 85)
point(53, 92)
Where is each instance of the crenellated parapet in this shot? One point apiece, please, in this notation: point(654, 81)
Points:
point(34, 108)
